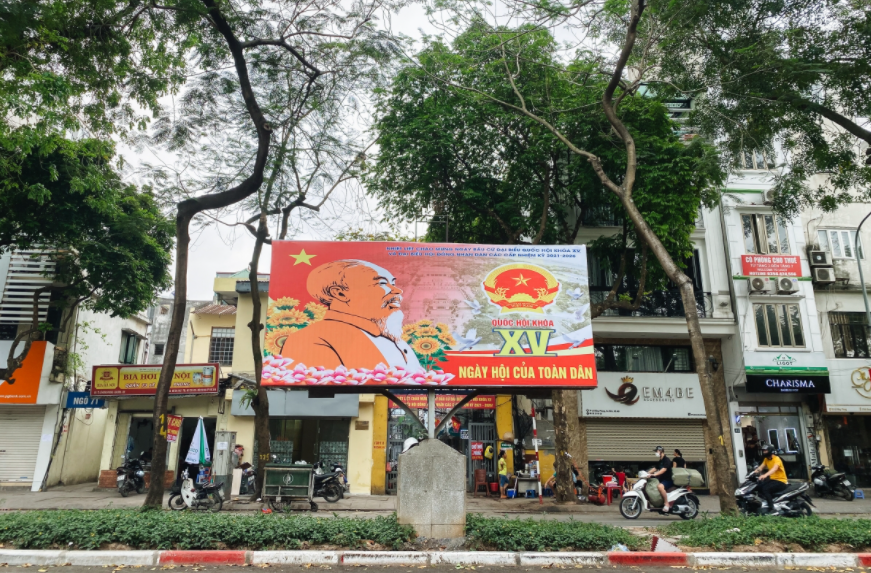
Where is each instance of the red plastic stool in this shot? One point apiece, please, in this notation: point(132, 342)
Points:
point(612, 489)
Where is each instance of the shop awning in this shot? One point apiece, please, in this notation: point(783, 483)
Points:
point(298, 404)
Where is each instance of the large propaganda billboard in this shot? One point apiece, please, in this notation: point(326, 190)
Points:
point(392, 314)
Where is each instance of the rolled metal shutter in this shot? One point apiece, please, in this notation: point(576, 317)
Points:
point(628, 440)
point(20, 431)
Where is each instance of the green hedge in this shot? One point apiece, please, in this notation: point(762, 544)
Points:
point(193, 530)
point(809, 532)
point(545, 535)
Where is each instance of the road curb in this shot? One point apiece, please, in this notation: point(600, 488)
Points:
point(454, 558)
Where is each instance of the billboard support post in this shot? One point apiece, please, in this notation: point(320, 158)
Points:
point(455, 409)
point(412, 415)
point(537, 460)
point(430, 403)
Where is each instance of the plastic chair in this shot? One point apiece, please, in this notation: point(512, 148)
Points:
point(621, 478)
point(481, 481)
point(612, 488)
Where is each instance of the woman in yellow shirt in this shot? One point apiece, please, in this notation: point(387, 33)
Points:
point(774, 478)
point(503, 474)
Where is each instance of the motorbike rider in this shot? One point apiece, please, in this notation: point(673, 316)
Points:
point(773, 481)
point(663, 474)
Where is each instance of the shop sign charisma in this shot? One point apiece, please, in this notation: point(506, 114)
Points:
point(391, 314)
point(791, 384)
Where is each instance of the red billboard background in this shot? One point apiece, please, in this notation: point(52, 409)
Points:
point(424, 314)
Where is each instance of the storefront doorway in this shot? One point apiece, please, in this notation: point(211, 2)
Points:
point(779, 426)
point(310, 440)
point(467, 427)
point(850, 441)
point(186, 435)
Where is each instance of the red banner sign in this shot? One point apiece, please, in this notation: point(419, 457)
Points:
point(771, 265)
point(447, 402)
point(173, 425)
point(477, 450)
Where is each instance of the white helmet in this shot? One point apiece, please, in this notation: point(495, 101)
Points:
point(409, 443)
point(642, 474)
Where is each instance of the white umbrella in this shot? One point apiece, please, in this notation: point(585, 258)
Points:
point(198, 453)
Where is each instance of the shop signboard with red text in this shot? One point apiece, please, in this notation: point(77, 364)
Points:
point(141, 379)
point(771, 265)
point(446, 402)
point(406, 315)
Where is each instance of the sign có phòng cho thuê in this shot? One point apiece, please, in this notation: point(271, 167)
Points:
point(391, 314)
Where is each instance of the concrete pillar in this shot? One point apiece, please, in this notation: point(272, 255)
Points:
point(431, 490)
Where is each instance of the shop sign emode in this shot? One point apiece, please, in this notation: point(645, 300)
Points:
point(644, 395)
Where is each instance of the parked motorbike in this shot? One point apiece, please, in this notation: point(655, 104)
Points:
point(329, 486)
point(131, 476)
point(635, 501)
point(834, 484)
point(196, 496)
point(794, 501)
point(337, 468)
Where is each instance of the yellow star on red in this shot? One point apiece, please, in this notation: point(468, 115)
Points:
point(303, 258)
point(521, 280)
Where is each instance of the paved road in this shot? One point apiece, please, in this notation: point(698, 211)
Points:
point(88, 496)
point(392, 569)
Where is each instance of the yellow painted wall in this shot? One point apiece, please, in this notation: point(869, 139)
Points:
point(505, 423)
point(379, 446)
point(360, 463)
point(243, 358)
point(121, 411)
point(547, 459)
point(244, 428)
point(199, 338)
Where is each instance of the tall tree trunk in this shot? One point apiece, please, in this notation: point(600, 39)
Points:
point(154, 498)
point(566, 441)
point(187, 209)
point(261, 402)
point(726, 474)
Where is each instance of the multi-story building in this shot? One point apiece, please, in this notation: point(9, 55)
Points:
point(160, 316)
point(42, 441)
point(843, 417)
point(776, 368)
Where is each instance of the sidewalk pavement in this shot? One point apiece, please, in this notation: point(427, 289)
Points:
point(88, 496)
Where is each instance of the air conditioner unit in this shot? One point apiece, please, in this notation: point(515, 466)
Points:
point(768, 196)
point(824, 275)
point(820, 258)
point(760, 284)
point(786, 285)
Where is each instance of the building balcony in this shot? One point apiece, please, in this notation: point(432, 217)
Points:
point(657, 304)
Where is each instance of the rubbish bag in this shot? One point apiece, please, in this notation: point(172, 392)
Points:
point(651, 489)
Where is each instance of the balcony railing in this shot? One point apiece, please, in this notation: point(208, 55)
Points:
point(662, 303)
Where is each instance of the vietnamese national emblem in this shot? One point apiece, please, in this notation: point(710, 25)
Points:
point(521, 287)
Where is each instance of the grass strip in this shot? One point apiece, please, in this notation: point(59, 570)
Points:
point(545, 535)
point(810, 533)
point(73, 529)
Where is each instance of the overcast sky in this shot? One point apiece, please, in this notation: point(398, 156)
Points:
point(221, 249)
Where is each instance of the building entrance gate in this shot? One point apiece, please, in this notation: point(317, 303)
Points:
point(485, 432)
